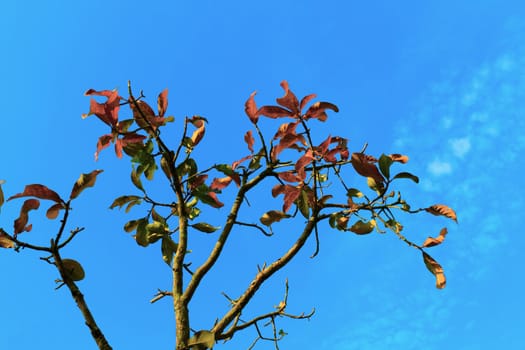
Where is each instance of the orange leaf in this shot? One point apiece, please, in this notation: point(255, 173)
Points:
point(250, 108)
point(162, 102)
point(38, 191)
point(443, 210)
point(317, 110)
point(53, 211)
point(107, 111)
point(365, 167)
point(430, 241)
point(436, 269)
point(103, 142)
point(399, 158)
point(220, 183)
point(248, 138)
point(289, 176)
point(289, 100)
point(5, 242)
point(306, 99)
point(274, 112)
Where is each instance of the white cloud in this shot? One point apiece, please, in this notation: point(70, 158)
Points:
point(438, 168)
point(460, 146)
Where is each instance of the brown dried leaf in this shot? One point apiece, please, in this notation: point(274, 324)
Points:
point(272, 216)
point(289, 100)
point(38, 191)
point(162, 102)
point(20, 224)
point(305, 100)
point(436, 269)
point(83, 182)
point(430, 241)
point(220, 183)
point(5, 242)
point(289, 176)
point(248, 138)
point(251, 108)
point(53, 211)
point(443, 210)
point(399, 158)
point(365, 167)
point(274, 112)
point(317, 110)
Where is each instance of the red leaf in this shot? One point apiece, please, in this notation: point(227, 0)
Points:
point(162, 102)
point(140, 111)
point(277, 190)
point(302, 162)
point(291, 193)
point(20, 224)
point(274, 112)
point(107, 111)
point(220, 183)
point(289, 176)
point(365, 167)
point(306, 99)
point(286, 129)
point(198, 180)
point(286, 142)
point(216, 202)
point(289, 100)
point(118, 148)
point(323, 147)
point(248, 138)
point(251, 108)
point(103, 142)
point(38, 191)
point(317, 110)
point(236, 163)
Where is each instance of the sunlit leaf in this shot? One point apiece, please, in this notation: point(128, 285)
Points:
point(302, 204)
point(289, 100)
point(198, 134)
point(205, 227)
point(38, 191)
point(317, 110)
point(83, 182)
point(141, 235)
point(107, 111)
point(123, 200)
point(131, 225)
point(443, 210)
point(431, 241)
point(135, 179)
point(272, 216)
point(399, 158)
point(220, 183)
point(5, 242)
point(73, 269)
point(364, 167)
point(436, 269)
point(362, 228)
point(405, 175)
point(202, 340)
point(354, 192)
point(305, 100)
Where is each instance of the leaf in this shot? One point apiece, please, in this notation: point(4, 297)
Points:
point(208, 197)
point(399, 158)
point(289, 100)
point(272, 216)
point(405, 175)
point(5, 242)
point(103, 142)
point(289, 176)
point(205, 227)
point(317, 110)
point(354, 192)
point(436, 269)
point(135, 179)
point(20, 224)
point(143, 114)
point(364, 167)
point(198, 134)
point(168, 249)
point(73, 269)
point(384, 165)
point(302, 162)
point(2, 199)
point(302, 204)
point(53, 211)
point(38, 191)
point(430, 241)
point(141, 236)
point(83, 182)
point(162, 102)
point(122, 200)
point(248, 138)
point(274, 112)
point(202, 340)
point(305, 100)
point(443, 210)
point(107, 111)
point(251, 108)
point(131, 225)
point(362, 228)
point(220, 183)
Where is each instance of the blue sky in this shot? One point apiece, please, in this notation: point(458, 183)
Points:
point(443, 82)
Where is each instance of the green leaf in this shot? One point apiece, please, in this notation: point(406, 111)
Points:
point(131, 225)
point(405, 175)
point(354, 192)
point(188, 167)
point(202, 340)
point(141, 235)
point(135, 179)
point(157, 227)
point(272, 216)
point(384, 165)
point(168, 249)
point(393, 225)
point(362, 228)
point(205, 227)
point(122, 200)
point(157, 217)
point(376, 187)
point(302, 204)
point(73, 269)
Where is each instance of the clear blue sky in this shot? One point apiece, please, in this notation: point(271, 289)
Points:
point(443, 82)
